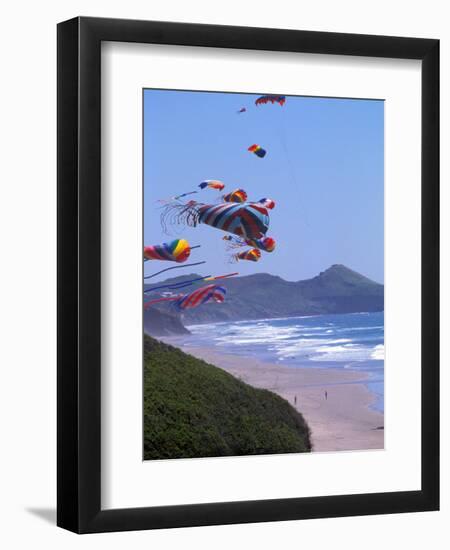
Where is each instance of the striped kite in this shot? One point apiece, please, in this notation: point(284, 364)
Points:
point(212, 184)
point(268, 203)
point(247, 220)
point(257, 150)
point(252, 255)
point(264, 99)
point(238, 195)
point(175, 251)
point(201, 296)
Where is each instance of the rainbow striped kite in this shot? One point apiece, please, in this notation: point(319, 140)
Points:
point(175, 251)
point(257, 150)
point(238, 195)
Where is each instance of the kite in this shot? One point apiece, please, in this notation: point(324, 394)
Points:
point(268, 203)
point(263, 100)
point(242, 110)
point(201, 296)
point(252, 255)
point(212, 184)
point(247, 220)
point(196, 298)
point(257, 150)
point(175, 251)
point(267, 244)
point(238, 195)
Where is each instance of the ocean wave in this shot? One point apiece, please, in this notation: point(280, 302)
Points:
point(333, 338)
point(378, 352)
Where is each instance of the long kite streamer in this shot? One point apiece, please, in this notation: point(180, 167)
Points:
point(173, 267)
point(182, 284)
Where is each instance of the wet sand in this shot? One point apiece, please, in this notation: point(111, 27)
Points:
point(340, 421)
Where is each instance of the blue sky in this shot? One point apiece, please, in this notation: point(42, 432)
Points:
point(324, 168)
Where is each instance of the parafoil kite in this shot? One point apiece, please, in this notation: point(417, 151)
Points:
point(252, 255)
point(238, 195)
point(280, 99)
point(268, 203)
point(201, 296)
point(257, 150)
point(175, 251)
point(212, 184)
point(247, 220)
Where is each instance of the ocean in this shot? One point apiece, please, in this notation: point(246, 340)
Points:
point(353, 341)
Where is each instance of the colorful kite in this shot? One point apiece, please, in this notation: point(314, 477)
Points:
point(257, 150)
point(268, 203)
point(212, 184)
point(175, 251)
point(252, 255)
point(196, 298)
point(201, 296)
point(280, 99)
point(238, 195)
point(247, 220)
point(267, 244)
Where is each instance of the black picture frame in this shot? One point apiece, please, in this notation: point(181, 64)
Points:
point(79, 280)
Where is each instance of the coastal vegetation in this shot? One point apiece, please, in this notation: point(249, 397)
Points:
point(193, 409)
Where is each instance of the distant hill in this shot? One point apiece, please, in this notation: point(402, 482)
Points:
point(193, 409)
point(336, 290)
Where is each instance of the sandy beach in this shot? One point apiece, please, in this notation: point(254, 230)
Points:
point(341, 420)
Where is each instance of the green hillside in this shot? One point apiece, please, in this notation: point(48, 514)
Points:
point(193, 409)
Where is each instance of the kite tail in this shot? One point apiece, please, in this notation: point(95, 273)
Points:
point(179, 214)
point(234, 245)
point(169, 299)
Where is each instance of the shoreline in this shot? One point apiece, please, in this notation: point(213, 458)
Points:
point(342, 420)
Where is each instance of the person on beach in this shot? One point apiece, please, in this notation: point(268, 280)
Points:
point(295, 400)
point(326, 395)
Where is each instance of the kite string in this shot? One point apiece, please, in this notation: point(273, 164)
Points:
point(292, 171)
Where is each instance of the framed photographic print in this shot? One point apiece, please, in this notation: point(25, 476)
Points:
point(248, 289)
